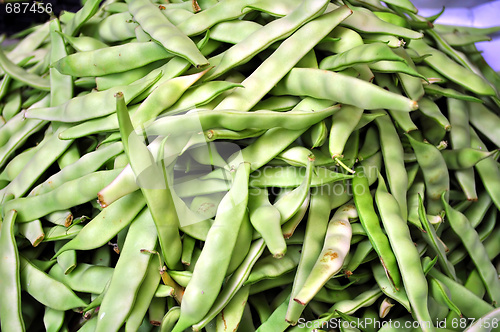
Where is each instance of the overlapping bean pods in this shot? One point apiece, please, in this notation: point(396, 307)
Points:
point(174, 165)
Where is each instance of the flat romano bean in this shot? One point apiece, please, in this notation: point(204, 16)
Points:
point(371, 224)
point(343, 124)
point(453, 71)
point(164, 96)
point(36, 283)
point(226, 10)
point(84, 278)
point(116, 28)
point(234, 31)
point(266, 220)
point(331, 258)
point(147, 290)
point(234, 283)
point(271, 267)
point(92, 105)
point(464, 158)
point(363, 20)
point(365, 53)
point(280, 62)
point(84, 43)
point(315, 231)
point(209, 273)
point(103, 61)
point(159, 200)
point(106, 224)
point(236, 120)
point(32, 231)
point(435, 171)
point(341, 88)
point(89, 163)
point(200, 95)
point(172, 38)
point(67, 195)
point(268, 34)
point(244, 240)
point(126, 77)
point(21, 74)
point(406, 254)
point(470, 238)
point(392, 151)
point(128, 273)
point(10, 307)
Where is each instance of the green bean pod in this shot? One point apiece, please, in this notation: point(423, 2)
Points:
point(266, 220)
point(90, 162)
point(92, 105)
point(271, 32)
point(210, 269)
point(128, 273)
point(406, 253)
point(67, 195)
point(165, 33)
point(435, 173)
point(36, 283)
point(461, 226)
point(316, 227)
point(10, 308)
point(281, 61)
point(342, 89)
point(459, 159)
point(453, 71)
point(331, 259)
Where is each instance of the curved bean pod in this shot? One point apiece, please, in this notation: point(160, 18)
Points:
point(266, 220)
point(162, 30)
point(10, 308)
point(89, 163)
point(36, 283)
point(92, 105)
point(234, 283)
point(128, 273)
point(365, 53)
point(268, 34)
point(210, 269)
point(316, 227)
point(453, 71)
point(406, 254)
point(236, 120)
point(341, 88)
point(269, 267)
point(106, 224)
point(159, 201)
point(461, 226)
point(330, 260)
point(280, 62)
point(67, 195)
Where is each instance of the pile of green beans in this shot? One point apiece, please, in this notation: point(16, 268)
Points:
point(250, 165)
